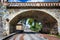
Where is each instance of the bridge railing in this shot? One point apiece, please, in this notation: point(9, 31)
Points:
point(34, 4)
point(7, 37)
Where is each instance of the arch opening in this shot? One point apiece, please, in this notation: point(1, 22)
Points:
point(49, 23)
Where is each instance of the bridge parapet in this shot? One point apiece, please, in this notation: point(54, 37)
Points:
point(33, 4)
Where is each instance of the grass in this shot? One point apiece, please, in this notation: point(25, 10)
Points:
point(58, 36)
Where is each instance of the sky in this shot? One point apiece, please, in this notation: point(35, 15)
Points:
point(33, 0)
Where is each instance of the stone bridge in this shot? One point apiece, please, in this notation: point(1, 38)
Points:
point(49, 17)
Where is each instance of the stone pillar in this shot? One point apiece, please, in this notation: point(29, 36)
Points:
point(7, 27)
point(54, 29)
point(59, 28)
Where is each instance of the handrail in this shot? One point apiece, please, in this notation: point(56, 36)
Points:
point(7, 37)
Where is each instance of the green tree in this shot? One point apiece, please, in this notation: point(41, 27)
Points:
point(36, 27)
point(30, 21)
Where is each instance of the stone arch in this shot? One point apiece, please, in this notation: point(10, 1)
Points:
point(21, 11)
point(30, 13)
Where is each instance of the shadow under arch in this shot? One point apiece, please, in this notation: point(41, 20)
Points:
point(49, 22)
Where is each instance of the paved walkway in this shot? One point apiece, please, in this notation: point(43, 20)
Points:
point(17, 37)
point(27, 37)
point(34, 37)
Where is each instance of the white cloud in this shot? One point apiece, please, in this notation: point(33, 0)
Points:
point(35, 1)
point(16, 1)
point(27, 1)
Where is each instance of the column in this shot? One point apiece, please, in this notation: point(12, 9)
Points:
point(59, 28)
point(7, 27)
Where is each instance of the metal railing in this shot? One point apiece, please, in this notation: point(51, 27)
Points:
point(7, 37)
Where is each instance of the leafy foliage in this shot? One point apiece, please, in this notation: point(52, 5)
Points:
point(36, 27)
point(30, 21)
